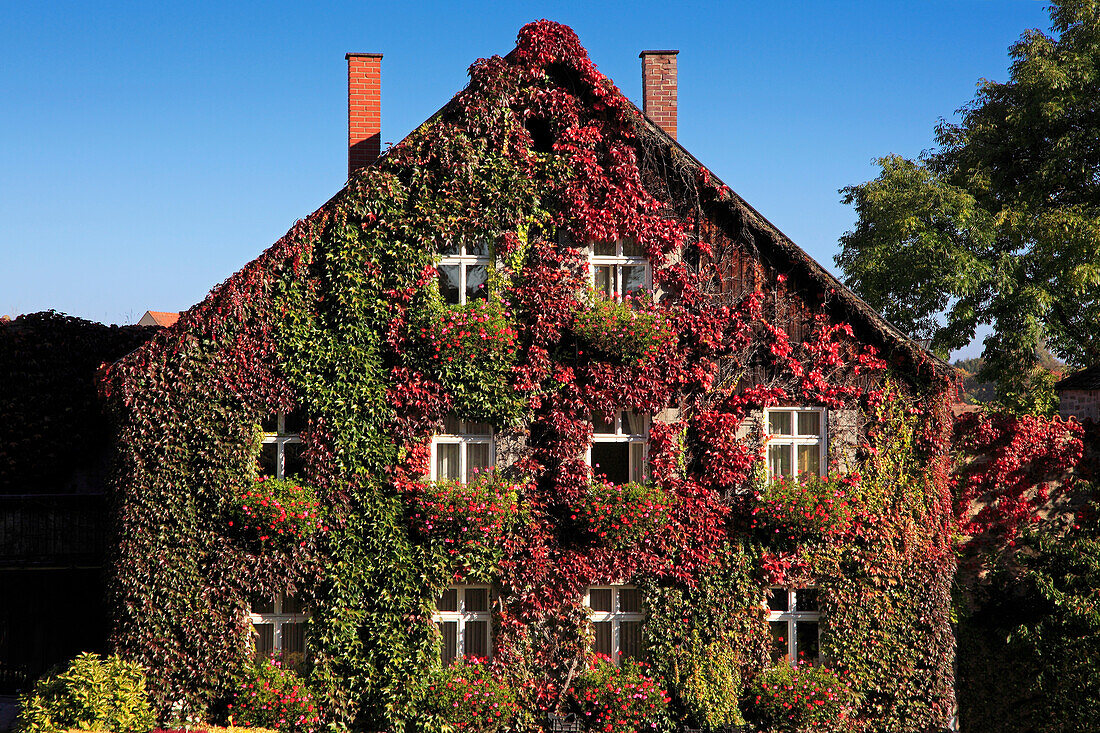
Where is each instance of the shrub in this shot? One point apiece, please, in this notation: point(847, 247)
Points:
point(808, 508)
point(468, 696)
point(274, 696)
point(277, 512)
point(621, 515)
point(92, 694)
point(796, 699)
point(619, 699)
point(627, 331)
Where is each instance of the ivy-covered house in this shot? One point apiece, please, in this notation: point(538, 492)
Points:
point(535, 386)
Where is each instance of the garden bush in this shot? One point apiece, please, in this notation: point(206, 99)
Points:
point(92, 694)
point(469, 696)
point(272, 695)
point(619, 699)
point(786, 699)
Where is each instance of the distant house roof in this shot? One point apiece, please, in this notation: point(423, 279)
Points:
point(1084, 379)
point(158, 318)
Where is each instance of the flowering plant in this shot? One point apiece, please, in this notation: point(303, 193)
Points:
point(274, 696)
point(628, 331)
point(277, 511)
point(469, 696)
point(621, 515)
point(786, 698)
point(619, 699)
point(465, 521)
point(809, 508)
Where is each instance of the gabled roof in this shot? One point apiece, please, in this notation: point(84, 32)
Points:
point(736, 215)
point(158, 318)
point(1086, 379)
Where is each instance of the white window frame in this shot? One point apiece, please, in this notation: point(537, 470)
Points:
point(618, 436)
point(616, 262)
point(462, 617)
point(615, 616)
point(792, 616)
point(281, 438)
point(463, 440)
point(277, 618)
point(820, 440)
point(464, 262)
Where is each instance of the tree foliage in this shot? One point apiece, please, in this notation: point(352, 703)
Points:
point(999, 225)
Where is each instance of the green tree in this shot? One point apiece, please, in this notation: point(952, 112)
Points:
point(1000, 223)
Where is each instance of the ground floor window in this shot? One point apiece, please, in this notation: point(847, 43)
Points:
point(463, 617)
point(616, 620)
point(278, 625)
point(794, 618)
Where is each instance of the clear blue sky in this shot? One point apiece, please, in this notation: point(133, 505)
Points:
point(149, 150)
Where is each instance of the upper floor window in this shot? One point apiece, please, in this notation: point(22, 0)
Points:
point(618, 268)
point(463, 450)
point(464, 621)
point(794, 618)
point(278, 625)
point(281, 451)
point(616, 620)
point(619, 446)
point(464, 269)
point(796, 441)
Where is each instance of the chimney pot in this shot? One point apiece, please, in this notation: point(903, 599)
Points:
point(659, 88)
point(364, 109)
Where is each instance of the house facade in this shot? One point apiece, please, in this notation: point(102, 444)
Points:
point(534, 386)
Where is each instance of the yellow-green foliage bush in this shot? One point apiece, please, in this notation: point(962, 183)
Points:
point(92, 694)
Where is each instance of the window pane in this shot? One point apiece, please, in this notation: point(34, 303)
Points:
point(604, 285)
point(779, 423)
point(294, 422)
point(476, 278)
point(806, 637)
point(809, 459)
point(449, 632)
point(270, 424)
point(809, 423)
point(603, 249)
point(265, 638)
point(446, 462)
point(292, 604)
point(448, 601)
point(452, 425)
point(633, 423)
point(612, 461)
point(477, 599)
point(477, 639)
point(261, 604)
point(637, 467)
point(292, 459)
point(599, 599)
point(478, 428)
point(603, 637)
point(632, 249)
point(779, 460)
point(294, 638)
point(269, 458)
point(778, 599)
point(779, 640)
point(477, 459)
point(602, 425)
point(449, 281)
point(451, 246)
point(806, 599)
point(633, 278)
point(630, 600)
point(630, 639)
point(477, 246)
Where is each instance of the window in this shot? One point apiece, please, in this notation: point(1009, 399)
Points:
point(464, 269)
point(462, 615)
point(464, 449)
point(618, 268)
point(796, 441)
point(794, 619)
point(278, 625)
point(616, 620)
point(281, 451)
point(619, 446)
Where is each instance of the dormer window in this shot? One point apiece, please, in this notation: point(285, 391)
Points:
point(618, 446)
point(464, 449)
point(464, 269)
point(796, 441)
point(618, 269)
point(281, 451)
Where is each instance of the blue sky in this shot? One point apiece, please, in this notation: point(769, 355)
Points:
point(149, 150)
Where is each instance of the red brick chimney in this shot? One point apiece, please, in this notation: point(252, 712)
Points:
point(659, 88)
point(364, 109)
